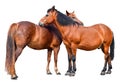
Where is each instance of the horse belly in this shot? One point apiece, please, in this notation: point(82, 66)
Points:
point(89, 45)
point(40, 43)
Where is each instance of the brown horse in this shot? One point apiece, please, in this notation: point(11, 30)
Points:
point(24, 34)
point(76, 36)
point(73, 16)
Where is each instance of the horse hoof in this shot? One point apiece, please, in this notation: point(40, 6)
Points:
point(72, 74)
point(49, 73)
point(58, 73)
point(102, 73)
point(108, 72)
point(67, 73)
point(14, 77)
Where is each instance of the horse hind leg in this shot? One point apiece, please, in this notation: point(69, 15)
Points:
point(105, 64)
point(12, 70)
point(104, 68)
point(48, 61)
point(111, 56)
point(109, 66)
point(17, 54)
point(105, 50)
point(107, 61)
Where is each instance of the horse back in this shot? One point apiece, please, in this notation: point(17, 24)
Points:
point(104, 30)
point(32, 35)
point(45, 37)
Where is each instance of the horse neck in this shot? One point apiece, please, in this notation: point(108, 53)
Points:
point(66, 30)
point(59, 27)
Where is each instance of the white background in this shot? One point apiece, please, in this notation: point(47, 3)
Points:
point(31, 65)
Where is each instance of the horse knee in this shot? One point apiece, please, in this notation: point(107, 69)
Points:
point(73, 58)
point(69, 58)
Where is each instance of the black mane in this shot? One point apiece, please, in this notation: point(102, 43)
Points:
point(63, 19)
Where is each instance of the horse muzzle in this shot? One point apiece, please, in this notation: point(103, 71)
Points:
point(41, 24)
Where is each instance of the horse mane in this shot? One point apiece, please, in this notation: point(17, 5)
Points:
point(54, 30)
point(63, 19)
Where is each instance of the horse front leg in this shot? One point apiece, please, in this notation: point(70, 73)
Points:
point(56, 50)
point(69, 61)
point(74, 61)
point(48, 61)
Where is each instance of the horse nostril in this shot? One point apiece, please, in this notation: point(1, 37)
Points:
point(41, 24)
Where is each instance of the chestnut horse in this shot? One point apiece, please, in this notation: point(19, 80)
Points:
point(24, 34)
point(75, 36)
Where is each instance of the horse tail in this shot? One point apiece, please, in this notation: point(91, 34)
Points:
point(10, 48)
point(112, 49)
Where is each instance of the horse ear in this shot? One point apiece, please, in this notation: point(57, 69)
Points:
point(67, 12)
point(53, 8)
